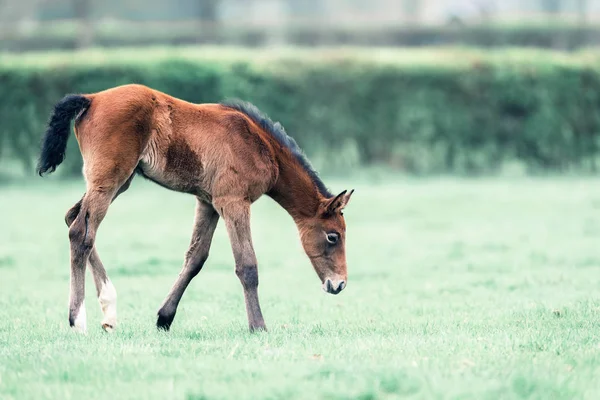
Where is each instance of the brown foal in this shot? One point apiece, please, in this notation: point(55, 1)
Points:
point(227, 155)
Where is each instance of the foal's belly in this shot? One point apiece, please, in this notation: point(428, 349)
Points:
point(180, 179)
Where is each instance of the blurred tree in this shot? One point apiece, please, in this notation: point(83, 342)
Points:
point(487, 9)
point(552, 6)
point(305, 8)
point(412, 10)
point(209, 10)
point(12, 11)
point(582, 7)
point(18, 16)
point(461, 12)
point(82, 9)
point(208, 19)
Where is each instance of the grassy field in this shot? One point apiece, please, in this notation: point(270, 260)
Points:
point(458, 289)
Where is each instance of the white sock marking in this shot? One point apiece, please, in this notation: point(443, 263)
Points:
point(108, 303)
point(80, 319)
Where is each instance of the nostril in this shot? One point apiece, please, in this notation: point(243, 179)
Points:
point(329, 286)
point(342, 285)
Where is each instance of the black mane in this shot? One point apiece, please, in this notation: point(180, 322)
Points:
point(278, 132)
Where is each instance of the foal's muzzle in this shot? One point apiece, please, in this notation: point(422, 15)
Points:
point(334, 286)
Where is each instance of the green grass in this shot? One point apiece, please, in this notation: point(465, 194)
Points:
point(458, 289)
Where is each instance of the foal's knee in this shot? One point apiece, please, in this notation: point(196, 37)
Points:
point(248, 275)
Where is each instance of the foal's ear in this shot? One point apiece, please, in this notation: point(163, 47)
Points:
point(338, 203)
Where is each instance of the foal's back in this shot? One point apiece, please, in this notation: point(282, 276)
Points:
point(208, 150)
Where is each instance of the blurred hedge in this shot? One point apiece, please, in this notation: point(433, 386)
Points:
point(421, 111)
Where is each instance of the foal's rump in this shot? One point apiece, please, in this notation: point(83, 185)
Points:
point(112, 124)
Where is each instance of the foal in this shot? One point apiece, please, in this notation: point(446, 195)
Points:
point(227, 155)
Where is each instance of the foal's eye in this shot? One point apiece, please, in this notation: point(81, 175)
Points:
point(333, 237)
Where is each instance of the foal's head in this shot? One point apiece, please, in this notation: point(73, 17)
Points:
point(324, 240)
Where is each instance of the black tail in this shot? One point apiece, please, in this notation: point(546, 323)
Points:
point(55, 139)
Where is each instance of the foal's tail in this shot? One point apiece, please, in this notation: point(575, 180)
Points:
point(57, 133)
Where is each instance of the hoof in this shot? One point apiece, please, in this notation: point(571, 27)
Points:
point(164, 321)
point(109, 323)
point(79, 329)
point(77, 320)
point(259, 328)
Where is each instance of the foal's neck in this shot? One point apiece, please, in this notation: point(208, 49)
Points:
point(295, 190)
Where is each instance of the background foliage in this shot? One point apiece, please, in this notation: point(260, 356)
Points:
point(423, 111)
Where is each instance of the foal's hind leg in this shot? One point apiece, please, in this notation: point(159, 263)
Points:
point(102, 186)
point(107, 295)
point(106, 292)
point(77, 317)
point(82, 234)
point(204, 227)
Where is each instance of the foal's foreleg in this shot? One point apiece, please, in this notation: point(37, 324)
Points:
point(204, 227)
point(236, 214)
